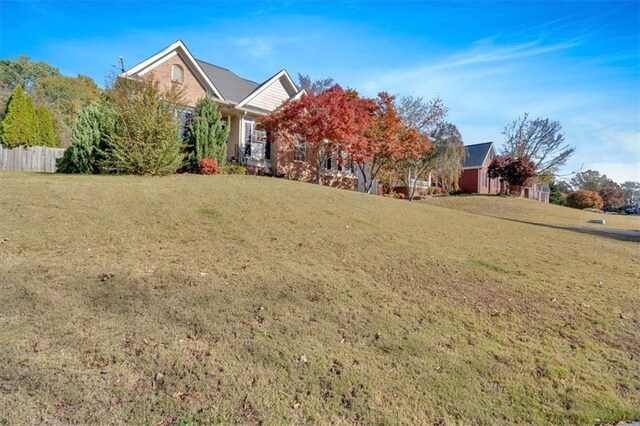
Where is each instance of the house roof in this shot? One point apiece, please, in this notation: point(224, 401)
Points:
point(224, 84)
point(233, 87)
point(476, 154)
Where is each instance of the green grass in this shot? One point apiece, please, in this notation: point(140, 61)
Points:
point(192, 299)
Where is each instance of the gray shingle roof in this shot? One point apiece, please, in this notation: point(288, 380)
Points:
point(232, 87)
point(475, 154)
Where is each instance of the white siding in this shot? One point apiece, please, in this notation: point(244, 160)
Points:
point(272, 97)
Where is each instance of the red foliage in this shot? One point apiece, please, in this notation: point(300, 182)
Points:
point(208, 166)
point(584, 199)
point(330, 123)
point(516, 171)
point(612, 195)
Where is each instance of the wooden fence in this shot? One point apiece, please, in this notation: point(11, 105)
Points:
point(30, 159)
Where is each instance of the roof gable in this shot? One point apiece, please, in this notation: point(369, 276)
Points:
point(225, 85)
point(176, 48)
point(282, 77)
point(475, 155)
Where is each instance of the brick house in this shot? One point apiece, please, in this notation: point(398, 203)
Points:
point(475, 170)
point(239, 100)
point(475, 175)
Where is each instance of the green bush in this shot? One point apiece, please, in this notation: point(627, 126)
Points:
point(232, 169)
point(95, 124)
point(207, 134)
point(146, 140)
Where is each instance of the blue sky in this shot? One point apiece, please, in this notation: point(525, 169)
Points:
point(490, 61)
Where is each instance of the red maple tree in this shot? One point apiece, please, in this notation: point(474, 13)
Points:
point(516, 171)
point(328, 124)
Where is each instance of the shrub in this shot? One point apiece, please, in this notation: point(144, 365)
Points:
point(233, 169)
point(398, 195)
point(583, 199)
point(88, 139)
point(146, 140)
point(208, 166)
point(207, 133)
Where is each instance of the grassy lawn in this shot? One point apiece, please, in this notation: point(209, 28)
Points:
point(534, 212)
point(193, 299)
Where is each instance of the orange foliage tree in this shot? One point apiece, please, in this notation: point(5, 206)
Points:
point(584, 199)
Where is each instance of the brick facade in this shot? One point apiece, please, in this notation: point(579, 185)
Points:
point(468, 181)
point(285, 165)
point(192, 88)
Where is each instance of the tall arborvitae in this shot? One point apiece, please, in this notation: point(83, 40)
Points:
point(46, 134)
point(207, 133)
point(20, 124)
point(95, 124)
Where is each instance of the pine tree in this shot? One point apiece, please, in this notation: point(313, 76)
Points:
point(20, 124)
point(95, 124)
point(207, 133)
point(46, 134)
point(555, 196)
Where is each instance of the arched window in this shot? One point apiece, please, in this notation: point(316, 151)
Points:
point(177, 74)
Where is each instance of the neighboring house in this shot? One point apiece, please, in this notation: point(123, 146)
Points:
point(475, 170)
point(538, 192)
point(240, 102)
point(475, 175)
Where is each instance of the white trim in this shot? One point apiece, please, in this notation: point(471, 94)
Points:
point(299, 94)
point(266, 84)
point(250, 111)
point(161, 61)
point(141, 67)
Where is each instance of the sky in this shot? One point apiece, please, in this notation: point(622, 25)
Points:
point(576, 62)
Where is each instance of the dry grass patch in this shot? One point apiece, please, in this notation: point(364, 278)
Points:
point(253, 300)
point(534, 212)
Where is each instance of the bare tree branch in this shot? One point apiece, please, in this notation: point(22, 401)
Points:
point(541, 140)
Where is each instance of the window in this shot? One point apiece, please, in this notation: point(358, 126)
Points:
point(299, 152)
point(177, 74)
point(185, 116)
point(340, 164)
point(256, 144)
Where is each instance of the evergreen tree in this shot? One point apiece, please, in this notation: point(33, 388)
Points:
point(95, 124)
point(46, 133)
point(207, 136)
point(20, 124)
point(555, 196)
point(146, 139)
